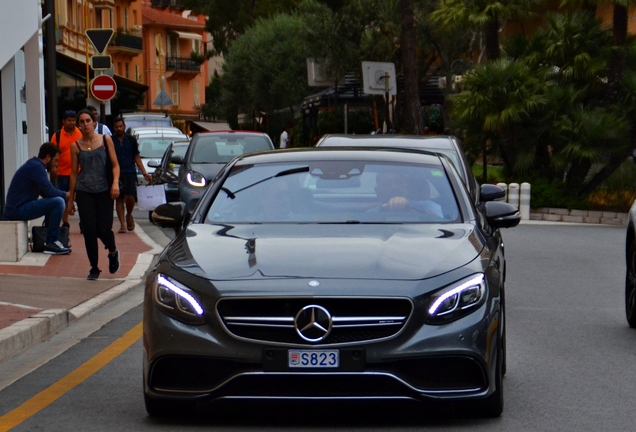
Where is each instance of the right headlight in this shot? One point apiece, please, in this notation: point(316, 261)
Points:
point(177, 301)
point(457, 300)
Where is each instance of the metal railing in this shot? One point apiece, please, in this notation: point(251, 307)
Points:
point(182, 64)
point(126, 40)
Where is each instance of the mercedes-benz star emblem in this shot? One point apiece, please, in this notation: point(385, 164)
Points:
point(313, 323)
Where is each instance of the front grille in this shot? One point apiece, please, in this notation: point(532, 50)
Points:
point(354, 319)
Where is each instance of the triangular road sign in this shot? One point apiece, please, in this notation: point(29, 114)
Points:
point(163, 99)
point(100, 38)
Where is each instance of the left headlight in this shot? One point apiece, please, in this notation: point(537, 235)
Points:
point(178, 301)
point(196, 179)
point(457, 300)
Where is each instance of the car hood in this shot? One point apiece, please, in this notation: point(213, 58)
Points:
point(373, 251)
point(208, 170)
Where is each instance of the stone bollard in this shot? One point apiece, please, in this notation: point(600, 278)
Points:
point(513, 194)
point(504, 186)
point(524, 201)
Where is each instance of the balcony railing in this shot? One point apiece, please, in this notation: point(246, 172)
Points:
point(125, 40)
point(182, 64)
point(166, 3)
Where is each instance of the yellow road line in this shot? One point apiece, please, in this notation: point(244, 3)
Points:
point(64, 385)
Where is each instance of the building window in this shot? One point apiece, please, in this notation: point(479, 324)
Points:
point(197, 95)
point(173, 45)
point(158, 48)
point(175, 92)
point(127, 65)
point(137, 77)
point(70, 14)
point(196, 46)
point(126, 18)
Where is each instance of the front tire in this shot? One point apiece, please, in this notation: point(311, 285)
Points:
point(630, 285)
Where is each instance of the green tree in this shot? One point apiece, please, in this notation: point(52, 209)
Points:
point(484, 16)
point(498, 97)
point(266, 68)
point(226, 20)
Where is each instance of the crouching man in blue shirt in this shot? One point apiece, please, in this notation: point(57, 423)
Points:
point(28, 184)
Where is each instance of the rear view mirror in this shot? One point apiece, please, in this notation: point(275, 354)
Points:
point(169, 215)
point(491, 192)
point(502, 215)
point(176, 159)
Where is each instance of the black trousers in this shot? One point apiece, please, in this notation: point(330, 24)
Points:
point(96, 220)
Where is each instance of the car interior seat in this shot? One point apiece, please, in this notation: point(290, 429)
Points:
point(206, 153)
point(146, 149)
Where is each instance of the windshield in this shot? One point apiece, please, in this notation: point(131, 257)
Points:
point(223, 148)
point(153, 147)
point(335, 192)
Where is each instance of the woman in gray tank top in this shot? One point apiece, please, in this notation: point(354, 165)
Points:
point(94, 191)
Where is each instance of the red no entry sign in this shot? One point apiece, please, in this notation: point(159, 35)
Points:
point(103, 87)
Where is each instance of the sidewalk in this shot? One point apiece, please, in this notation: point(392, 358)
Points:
point(42, 294)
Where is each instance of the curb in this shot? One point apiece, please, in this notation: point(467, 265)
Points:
point(40, 327)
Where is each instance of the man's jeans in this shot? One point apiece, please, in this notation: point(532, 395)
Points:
point(51, 208)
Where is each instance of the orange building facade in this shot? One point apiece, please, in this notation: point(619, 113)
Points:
point(174, 57)
point(74, 17)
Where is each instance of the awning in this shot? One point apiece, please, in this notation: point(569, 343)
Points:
point(77, 70)
point(184, 35)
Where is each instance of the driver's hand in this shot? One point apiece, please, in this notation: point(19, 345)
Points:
point(396, 203)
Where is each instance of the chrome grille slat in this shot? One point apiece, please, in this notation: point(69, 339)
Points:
point(354, 319)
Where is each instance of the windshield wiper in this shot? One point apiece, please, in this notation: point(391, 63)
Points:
point(279, 174)
point(228, 192)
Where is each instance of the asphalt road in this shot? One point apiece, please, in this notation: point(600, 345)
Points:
point(571, 358)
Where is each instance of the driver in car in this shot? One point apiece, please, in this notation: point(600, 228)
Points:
point(399, 193)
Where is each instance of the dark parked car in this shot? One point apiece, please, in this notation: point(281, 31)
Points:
point(209, 152)
point(630, 278)
point(166, 171)
point(446, 144)
point(330, 274)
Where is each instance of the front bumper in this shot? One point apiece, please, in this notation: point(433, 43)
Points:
point(423, 362)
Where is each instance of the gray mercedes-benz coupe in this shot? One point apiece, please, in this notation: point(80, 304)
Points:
point(330, 273)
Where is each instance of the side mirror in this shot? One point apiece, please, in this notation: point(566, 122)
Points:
point(176, 159)
point(491, 192)
point(154, 163)
point(169, 215)
point(501, 214)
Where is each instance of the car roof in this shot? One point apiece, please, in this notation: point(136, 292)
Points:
point(143, 114)
point(226, 132)
point(139, 129)
point(370, 154)
point(415, 141)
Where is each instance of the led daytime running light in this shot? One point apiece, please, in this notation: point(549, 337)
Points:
point(193, 302)
point(474, 281)
point(194, 182)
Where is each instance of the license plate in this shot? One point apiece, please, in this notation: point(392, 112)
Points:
point(313, 358)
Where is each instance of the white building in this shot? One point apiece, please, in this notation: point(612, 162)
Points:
point(22, 107)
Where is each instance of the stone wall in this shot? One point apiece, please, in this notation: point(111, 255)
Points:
point(580, 216)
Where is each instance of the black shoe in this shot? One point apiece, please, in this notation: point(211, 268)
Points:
point(113, 262)
point(56, 248)
point(66, 225)
point(93, 274)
